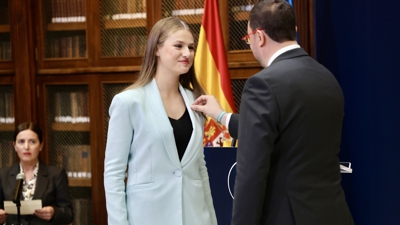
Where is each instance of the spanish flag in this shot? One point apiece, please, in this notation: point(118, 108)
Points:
point(212, 70)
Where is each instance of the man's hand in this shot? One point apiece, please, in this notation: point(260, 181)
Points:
point(208, 105)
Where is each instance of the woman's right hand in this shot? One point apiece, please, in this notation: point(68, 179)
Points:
point(3, 216)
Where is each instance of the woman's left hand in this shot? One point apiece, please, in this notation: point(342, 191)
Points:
point(3, 216)
point(45, 213)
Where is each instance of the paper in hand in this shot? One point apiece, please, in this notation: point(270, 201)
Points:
point(27, 207)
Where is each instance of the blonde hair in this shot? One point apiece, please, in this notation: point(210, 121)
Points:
point(158, 34)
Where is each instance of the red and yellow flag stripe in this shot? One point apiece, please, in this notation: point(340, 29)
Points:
point(210, 61)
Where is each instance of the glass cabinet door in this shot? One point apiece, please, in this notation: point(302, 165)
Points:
point(7, 153)
point(123, 28)
point(64, 29)
point(239, 11)
point(68, 143)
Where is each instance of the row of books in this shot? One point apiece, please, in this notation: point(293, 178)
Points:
point(79, 174)
point(7, 120)
point(7, 108)
point(67, 47)
point(131, 9)
point(125, 45)
point(242, 8)
point(175, 12)
point(195, 7)
point(126, 16)
point(66, 11)
point(5, 50)
point(124, 9)
point(184, 12)
point(71, 107)
point(131, 6)
point(75, 159)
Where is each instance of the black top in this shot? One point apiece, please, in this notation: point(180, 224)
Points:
point(182, 131)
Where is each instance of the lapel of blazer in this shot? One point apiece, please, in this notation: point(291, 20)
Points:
point(163, 125)
point(12, 180)
point(42, 181)
point(196, 139)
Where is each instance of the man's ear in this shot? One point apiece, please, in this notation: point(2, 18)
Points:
point(262, 38)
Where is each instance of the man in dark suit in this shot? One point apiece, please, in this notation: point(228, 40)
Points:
point(288, 130)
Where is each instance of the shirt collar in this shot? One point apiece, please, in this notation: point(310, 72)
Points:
point(281, 51)
point(35, 171)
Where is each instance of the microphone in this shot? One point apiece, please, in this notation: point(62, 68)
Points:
point(18, 187)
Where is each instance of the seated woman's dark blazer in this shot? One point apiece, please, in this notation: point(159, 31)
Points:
point(51, 188)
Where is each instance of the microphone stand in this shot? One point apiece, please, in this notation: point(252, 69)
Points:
point(17, 202)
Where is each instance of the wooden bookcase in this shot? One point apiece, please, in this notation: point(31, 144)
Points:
point(68, 58)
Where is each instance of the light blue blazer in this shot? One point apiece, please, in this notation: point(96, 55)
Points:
point(160, 189)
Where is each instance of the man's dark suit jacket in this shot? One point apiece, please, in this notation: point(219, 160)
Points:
point(51, 187)
point(289, 132)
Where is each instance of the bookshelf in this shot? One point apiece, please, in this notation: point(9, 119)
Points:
point(63, 33)
point(67, 139)
point(109, 33)
point(123, 28)
point(68, 122)
point(88, 34)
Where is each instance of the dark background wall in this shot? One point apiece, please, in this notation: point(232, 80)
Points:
point(359, 41)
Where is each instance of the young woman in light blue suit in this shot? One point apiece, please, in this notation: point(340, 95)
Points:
point(153, 131)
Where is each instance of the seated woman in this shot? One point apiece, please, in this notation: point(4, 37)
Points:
point(48, 183)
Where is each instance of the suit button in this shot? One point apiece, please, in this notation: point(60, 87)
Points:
point(178, 173)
